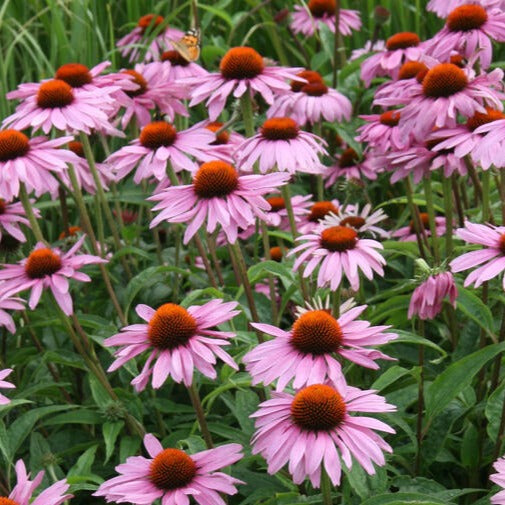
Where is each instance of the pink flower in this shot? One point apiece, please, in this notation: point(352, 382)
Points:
point(226, 142)
point(408, 233)
point(281, 145)
point(351, 166)
point(242, 70)
point(9, 303)
point(364, 221)
point(420, 160)
point(178, 339)
point(307, 354)
point(160, 143)
point(306, 20)
point(490, 150)
point(56, 104)
point(315, 428)
point(278, 215)
point(312, 103)
point(444, 7)
point(154, 90)
point(499, 478)
point(469, 139)
point(338, 250)
point(22, 493)
point(446, 91)
point(47, 268)
point(5, 385)
point(217, 194)
point(428, 297)
point(31, 162)
point(491, 259)
point(12, 214)
point(83, 173)
point(179, 67)
point(401, 47)
point(382, 132)
point(146, 24)
point(470, 30)
point(318, 212)
point(379, 45)
point(173, 475)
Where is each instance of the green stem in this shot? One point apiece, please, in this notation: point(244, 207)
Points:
point(200, 415)
point(414, 212)
point(428, 192)
point(205, 259)
point(336, 302)
point(286, 194)
point(103, 200)
point(25, 200)
point(247, 114)
point(420, 401)
point(271, 282)
point(325, 487)
point(449, 216)
point(486, 206)
point(99, 251)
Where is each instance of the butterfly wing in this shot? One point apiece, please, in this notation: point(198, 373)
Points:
point(189, 46)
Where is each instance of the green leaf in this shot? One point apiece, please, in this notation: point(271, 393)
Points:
point(110, 431)
point(473, 307)
point(83, 465)
point(455, 378)
point(493, 411)
point(390, 376)
point(80, 416)
point(407, 337)
point(403, 499)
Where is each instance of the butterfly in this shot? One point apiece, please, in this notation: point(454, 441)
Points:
point(189, 46)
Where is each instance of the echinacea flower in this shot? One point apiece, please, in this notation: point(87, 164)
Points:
point(316, 428)
point(154, 91)
point(83, 173)
point(381, 132)
point(443, 7)
point(363, 221)
point(55, 104)
point(47, 268)
point(173, 475)
point(217, 194)
point(306, 20)
point(278, 215)
point(160, 143)
point(411, 73)
point(129, 44)
point(12, 214)
point(499, 478)
point(226, 142)
point(307, 354)
point(5, 385)
point(31, 162)
point(22, 493)
point(408, 233)
point(490, 260)
point(369, 47)
point(8, 302)
point(470, 30)
point(446, 91)
point(338, 250)
point(180, 67)
point(282, 145)
point(400, 47)
point(350, 165)
point(490, 150)
point(420, 159)
point(242, 70)
point(312, 103)
point(427, 299)
point(177, 339)
point(317, 213)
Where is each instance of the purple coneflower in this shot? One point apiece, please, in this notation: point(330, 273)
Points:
point(178, 341)
point(47, 268)
point(217, 194)
point(173, 475)
point(5, 385)
point(499, 478)
point(316, 428)
point(408, 233)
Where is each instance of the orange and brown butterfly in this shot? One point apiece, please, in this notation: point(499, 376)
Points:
point(189, 46)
